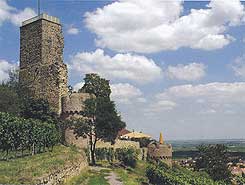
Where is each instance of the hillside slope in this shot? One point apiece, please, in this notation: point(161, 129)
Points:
point(60, 163)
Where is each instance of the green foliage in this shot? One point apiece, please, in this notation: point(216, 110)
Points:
point(128, 156)
point(89, 177)
point(105, 154)
point(17, 100)
point(37, 109)
point(96, 85)
point(29, 169)
point(9, 100)
point(18, 134)
point(135, 176)
point(108, 121)
point(161, 175)
point(101, 120)
point(213, 159)
point(9, 97)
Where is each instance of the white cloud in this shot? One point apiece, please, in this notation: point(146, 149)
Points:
point(239, 66)
point(207, 98)
point(20, 16)
point(156, 25)
point(73, 31)
point(161, 105)
point(216, 92)
point(78, 86)
point(13, 15)
point(125, 93)
point(5, 68)
point(121, 66)
point(4, 11)
point(190, 72)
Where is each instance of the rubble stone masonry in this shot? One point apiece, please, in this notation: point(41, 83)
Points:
point(42, 71)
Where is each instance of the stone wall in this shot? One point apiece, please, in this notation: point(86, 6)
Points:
point(74, 104)
point(42, 71)
point(118, 144)
point(161, 152)
point(59, 176)
point(71, 139)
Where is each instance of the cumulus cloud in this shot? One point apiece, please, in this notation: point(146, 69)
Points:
point(78, 86)
point(155, 25)
point(238, 66)
point(160, 105)
point(13, 15)
point(121, 66)
point(5, 68)
point(212, 92)
point(73, 31)
point(190, 72)
point(210, 98)
point(125, 93)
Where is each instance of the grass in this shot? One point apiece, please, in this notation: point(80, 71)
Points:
point(28, 170)
point(132, 176)
point(89, 177)
point(127, 176)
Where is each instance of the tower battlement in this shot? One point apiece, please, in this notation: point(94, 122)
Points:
point(42, 17)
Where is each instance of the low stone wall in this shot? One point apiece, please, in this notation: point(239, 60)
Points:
point(59, 176)
point(80, 142)
point(118, 144)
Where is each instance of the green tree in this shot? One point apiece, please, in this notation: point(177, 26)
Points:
point(213, 159)
point(37, 109)
point(100, 120)
point(96, 85)
point(9, 99)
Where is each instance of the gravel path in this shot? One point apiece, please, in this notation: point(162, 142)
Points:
point(113, 179)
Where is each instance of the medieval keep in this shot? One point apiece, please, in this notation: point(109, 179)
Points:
point(42, 70)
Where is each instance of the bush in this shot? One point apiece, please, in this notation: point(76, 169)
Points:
point(213, 159)
point(18, 134)
point(161, 175)
point(128, 156)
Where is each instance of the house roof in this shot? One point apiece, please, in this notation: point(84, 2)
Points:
point(123, 132)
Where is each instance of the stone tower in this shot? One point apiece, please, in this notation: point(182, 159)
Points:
point(160, 151)
point(42, 71)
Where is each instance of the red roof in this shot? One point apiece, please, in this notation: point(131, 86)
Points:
point(123, 132)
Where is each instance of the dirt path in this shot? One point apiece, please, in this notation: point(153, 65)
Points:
point(113, 179)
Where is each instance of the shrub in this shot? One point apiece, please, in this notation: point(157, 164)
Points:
point(128, 156)
point(161, 175)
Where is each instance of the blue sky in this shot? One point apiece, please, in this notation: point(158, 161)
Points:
point(176, 67)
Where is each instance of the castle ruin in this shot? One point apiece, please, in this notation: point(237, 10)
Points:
point(44, 74)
